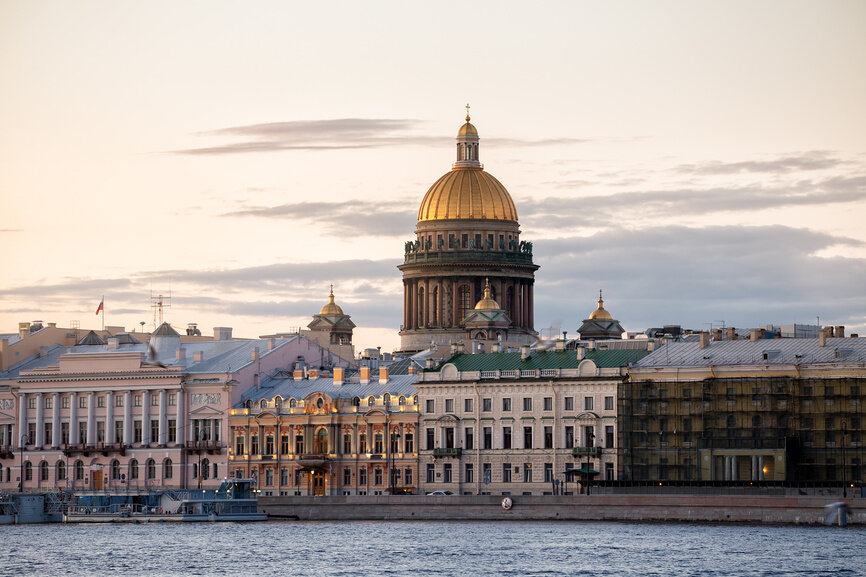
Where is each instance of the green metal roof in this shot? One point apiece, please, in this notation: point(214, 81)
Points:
point(543, 360)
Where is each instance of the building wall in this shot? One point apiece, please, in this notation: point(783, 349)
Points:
point(444, 407)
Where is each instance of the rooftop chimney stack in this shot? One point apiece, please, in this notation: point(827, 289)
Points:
point(365, 375)
point(383, 375)
point(840, 331)
point(731, 334)
point(254, 354)
point(339, 375)
point(581, 352)
point(222, 333)
point(822, 337)
point(704, 339)
point(524, 352)
point(560, 345)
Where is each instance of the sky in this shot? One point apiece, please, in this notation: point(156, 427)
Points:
point(701, 162)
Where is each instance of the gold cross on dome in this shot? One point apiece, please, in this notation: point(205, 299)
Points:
point(467, 112)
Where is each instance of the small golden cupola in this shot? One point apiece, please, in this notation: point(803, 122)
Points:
point(331, 308)
point(600, 313)
point(487, 302)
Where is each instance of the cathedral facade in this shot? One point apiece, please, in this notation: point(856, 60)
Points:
point(467, 248)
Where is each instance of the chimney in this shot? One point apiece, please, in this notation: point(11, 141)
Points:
point(365, 375)
point(460, 347)
point(180, 354)
point(560, 345)
point(581, 352)
point(52, 325)
point(198, 356)
point(254, 354)
point(590, 345)
point(411, 369)
point(822, 337)
point(453, 349)
point(113, 343)
point(731, 334)
point(222, 333)
point(753, 335)
point(271, 344)
point(23, 330)
point(383, 375)
point(705, 339)
point(298, 374)
point(650, 345)
point(314, 373)
point(339, 373)
point(524, 352)
point(840, 331)
point(496, 347)
point(429, 363)
point(717, 334)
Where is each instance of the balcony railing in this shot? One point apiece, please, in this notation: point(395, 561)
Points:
point(209, 446)
point(454, 452)
point(580, 451)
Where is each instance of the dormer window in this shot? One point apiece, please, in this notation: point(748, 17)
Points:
point(386, 400)
point(356, 401)
point(263, 404)
point(371, 401)
point(320, 403)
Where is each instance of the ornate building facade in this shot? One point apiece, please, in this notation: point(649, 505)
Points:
point(467, 236)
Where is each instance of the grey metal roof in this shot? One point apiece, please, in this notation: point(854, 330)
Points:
point(284, 385)
point(762, 352)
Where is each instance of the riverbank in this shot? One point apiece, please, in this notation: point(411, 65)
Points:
point(795, 510)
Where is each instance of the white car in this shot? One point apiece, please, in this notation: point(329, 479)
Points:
point(440, 493)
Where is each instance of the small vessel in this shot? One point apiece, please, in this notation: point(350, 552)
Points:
point(234, 500)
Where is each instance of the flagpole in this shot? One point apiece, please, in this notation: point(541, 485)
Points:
point(103, 313)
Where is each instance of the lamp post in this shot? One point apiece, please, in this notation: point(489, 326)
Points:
point(844, 477)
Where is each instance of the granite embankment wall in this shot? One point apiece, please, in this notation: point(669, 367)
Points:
point(717, 509)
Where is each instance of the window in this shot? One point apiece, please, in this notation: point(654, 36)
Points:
point(401, 400)
point(47, 437)
point(31, 433)
point(172, 431)
point(431, 473)
point(608, 436)
point(386, 400)
point(269, 445)
point(150, 469)
point(31, 403)
point(468, 473)
point(347, 476)
point(486, 405)
point(487, 437)
point(64, 433)
point(82, 432)
point(269, 477)
point(506, 437)
point(430, 406)
point(79, 471)
point(431, 439)
point(49, 402)
point(527, 437)
point(254, 445)
point(64, 402)
point(506, 472)
point(239, 446)
point(409, 443)
point(28, 471)
point(43, 471)
point(467, 405)
point(100, 432)
point(587, 403)
point(299, 444)
point(506, 404)
point(137, 400)
point(548, 437)
point(687, 393)
point(569, 437)
point(527, 403)
point(527, 472)
point(118, 401)
point(172, 399)
point(347, 443)
point(362, 443)
point(407, 476)
point(133, 469)
point(569, 403)
point(449, 437)
point(154, 430)
point(167, 469)
point(284, 477)
point(377, 476)
point(589, 434)
point(548, 403)
point(548, 472)
point(446, 473)
point(469, 435)
point(449, 405)
point(82, 402)
point(154, 400)
point(608, 403)
point(115, 470)
point(395, 442)
point(100, 401)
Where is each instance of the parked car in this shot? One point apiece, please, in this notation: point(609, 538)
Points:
point(440, 493)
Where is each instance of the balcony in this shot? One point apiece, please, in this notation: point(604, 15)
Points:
point(585, 451)
point(6, 451)
point(741, 443)
point(313, 460)
point(467, 255)
point(209, 446)
point(454, 452)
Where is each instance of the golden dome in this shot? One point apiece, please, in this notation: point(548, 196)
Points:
point(467, 192)
point(600, 313)
point(487, 302)
point(331, 308)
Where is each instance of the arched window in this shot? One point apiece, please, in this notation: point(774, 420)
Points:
point(167, 469)
point(415, 400)
point(61, 470)
point(731, 422)
point(249, 403)
point(205, 469)
point(320, 403)
point(322, 441)
point(263, 404)
point(401, 401)
point(115, 470)
point(509, 302)
point(278, 402)
point(28, 471)
point(150, 468)
point(465, 302)
point(371, 401)
point(293, 403)
point(386, 400)
point(356, 401)
point(133, 469)
point(79, 470)
point(435, 309)
point(43, 471)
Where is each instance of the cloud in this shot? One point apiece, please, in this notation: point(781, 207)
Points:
point(338, 134)
point(352, 217)
point(816, 160)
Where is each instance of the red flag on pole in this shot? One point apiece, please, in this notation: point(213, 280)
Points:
point(99, 308)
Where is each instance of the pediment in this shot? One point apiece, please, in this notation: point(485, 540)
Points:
point(207, 410)
point(5, 417)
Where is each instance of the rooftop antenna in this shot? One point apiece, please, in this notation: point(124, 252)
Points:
point(159, 303)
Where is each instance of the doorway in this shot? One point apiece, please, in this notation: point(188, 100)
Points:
point(96, 476)
point(318, 483)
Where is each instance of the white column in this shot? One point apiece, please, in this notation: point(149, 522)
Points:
point(109, 418)
point(761, 468)
point(181, 417)
point(127, 418)
point(55, 420)
point(20, 441)
point(754, 475)
point(40, 420)
point(145, 418)
point(727, 468)
point(212, 433)
point(735, 468)
point(73, 419)
point(91, 418)
point(163, 418)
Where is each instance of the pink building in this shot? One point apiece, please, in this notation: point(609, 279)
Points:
point(122, 415)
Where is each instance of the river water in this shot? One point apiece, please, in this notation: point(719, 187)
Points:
point(430, 548)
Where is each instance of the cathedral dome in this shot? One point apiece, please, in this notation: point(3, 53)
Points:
point(467, 192)
point(487, 302)
point(600, 312)
point(331, 308)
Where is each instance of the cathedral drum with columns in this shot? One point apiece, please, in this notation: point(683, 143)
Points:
point(467, 236)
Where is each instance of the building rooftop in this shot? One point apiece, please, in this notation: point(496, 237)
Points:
point(284, 385)
point(544, 360)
